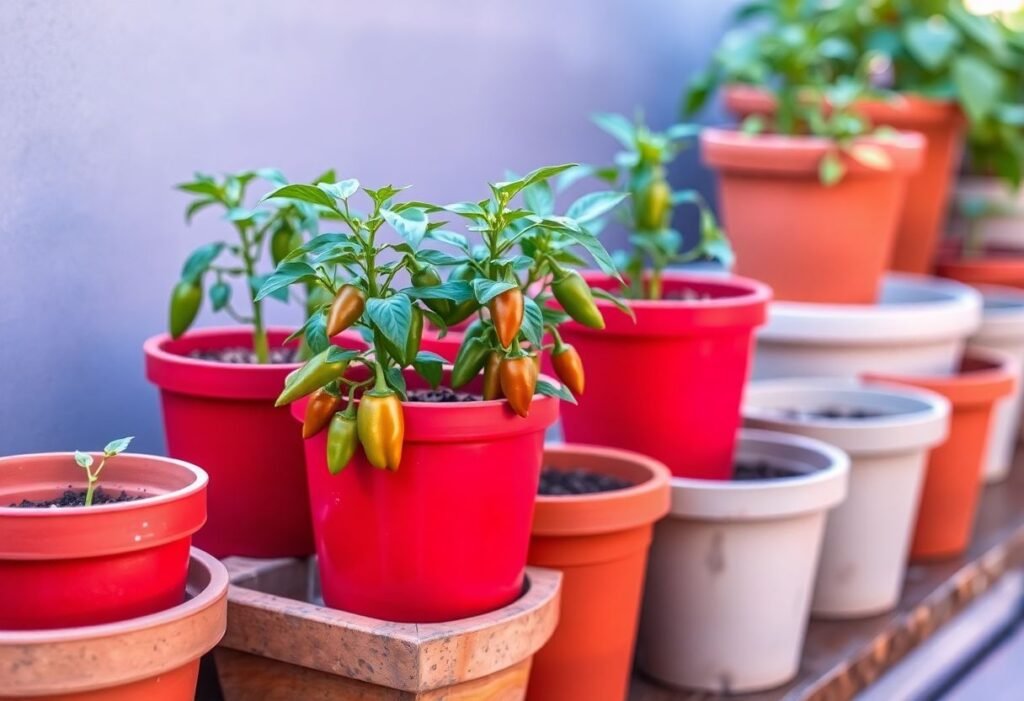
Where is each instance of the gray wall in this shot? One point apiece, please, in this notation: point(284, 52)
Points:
point(105, 104)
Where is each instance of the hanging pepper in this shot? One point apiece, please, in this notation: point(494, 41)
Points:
point(342, 439)
point(381, 424)
point(321, 407)
point(316, 373)
point(492, 376)
point(574, 294)
point(284, 240)
point(185, 301)
point(569, 367)
point(470, 360)
point(507, 315)
point(461, 311)
point(518, 381)
point(652, 200)
point(346, 309)
point(425, 275)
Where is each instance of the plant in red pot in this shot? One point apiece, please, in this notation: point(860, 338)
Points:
point(687, 349)
point(422, 478)
point(217, 385)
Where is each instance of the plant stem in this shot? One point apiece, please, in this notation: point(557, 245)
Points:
point(654, 289)
point(260, 344)
point(93, 478)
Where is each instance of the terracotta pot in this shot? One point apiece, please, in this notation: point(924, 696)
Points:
point(600, 543)
point(942, 125)
point(920, 325)
point(945, 519)
point(440, 538)
point(991, 267)
point(222, 416)
point(868, 536)
point(79, 566)
point(154, 657)
point(732, 569)
point(807, 240)
point(688, 361)
point(282, 646)
point(1002, 328)
point(1003, 227)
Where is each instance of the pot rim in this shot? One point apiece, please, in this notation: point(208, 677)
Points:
point(642, 503)
point(954, 313)
point(923, 426)
point(186, 632)
point(964, 388)
point(728, 500)
point(1000, 322)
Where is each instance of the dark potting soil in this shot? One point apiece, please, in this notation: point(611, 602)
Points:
point(761, 470)
point(556, 482)
point(443, 395)
point(76, 497)
point(687, 295)
point(832, 413)
point(240, 355)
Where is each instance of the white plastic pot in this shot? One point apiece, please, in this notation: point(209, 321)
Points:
point(920, 325)
point(1002, 328)
point(732, 569)
point(868, 536)
point(1003, 226)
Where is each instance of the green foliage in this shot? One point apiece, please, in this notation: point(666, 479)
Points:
point(86, 462)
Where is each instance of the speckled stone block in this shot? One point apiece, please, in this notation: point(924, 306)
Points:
point(282, 643)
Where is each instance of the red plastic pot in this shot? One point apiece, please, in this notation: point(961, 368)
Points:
point(80, 566)
point(670, 385)
point(222, 416)
point(447, 347)
point(446, 535)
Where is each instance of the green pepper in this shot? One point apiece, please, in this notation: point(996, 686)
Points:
point(469, 361)
point(284, 240)
point(427, 276)
point(342, 439)
point(463, 310)
point(574, 294)
point(316, 373)
point(185, 301)
point(652, 201)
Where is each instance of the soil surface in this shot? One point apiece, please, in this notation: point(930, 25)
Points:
point(761, 470)
point(687, 295)
point(240, 355)
point(76, 497)
point(832, 413)
point(556, 482)
point(443, 395)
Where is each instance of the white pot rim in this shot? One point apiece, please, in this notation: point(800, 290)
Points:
point(1002, 313)
point(822, 486)
point(912, 419)
point(913, 309)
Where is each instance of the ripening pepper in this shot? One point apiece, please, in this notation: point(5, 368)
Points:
point(316, 373)
point(347, 307)
point(427, 276)
point(342, 439)
point(185, 301)
point(470, 360)
point(492, 376)
point(569, 367)
point(507, 315)
point(321, 407)
point(461, 311)
point(381, 427)
point(518, 381)
point(574, 294)
point(284, 240)
point(652, 202)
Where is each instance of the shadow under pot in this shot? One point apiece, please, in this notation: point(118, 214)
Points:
point(153, 657)
point(600, 541)
point(443, 537)
point(683, 363)
point(887, 432)
point(732, 567)
point(920, 325)
point(953, 480)
point(67, 566)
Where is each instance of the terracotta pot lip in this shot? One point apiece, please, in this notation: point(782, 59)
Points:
point(155, 347)
point(780, 144)
point(950, 263)
point(965, 387)
point(603, 512)
point(199, 483)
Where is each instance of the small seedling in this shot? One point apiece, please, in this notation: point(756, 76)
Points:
point(86, 462)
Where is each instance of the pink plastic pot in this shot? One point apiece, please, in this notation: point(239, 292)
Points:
point(447, 347)
point(446, 535)
point(670, 385)
point(221, 416)
point(79, 566)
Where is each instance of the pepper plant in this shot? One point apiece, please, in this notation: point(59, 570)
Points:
point(263, 229)
point(508, 278)
point(86, 462)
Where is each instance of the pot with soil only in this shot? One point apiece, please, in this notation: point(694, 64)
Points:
point(689, 357)
point(62, 567)
point(153, 657)
point(887, 432)
point(593, 521)
point(719, 613)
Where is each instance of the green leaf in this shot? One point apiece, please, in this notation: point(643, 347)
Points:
point(348, 241)
point(220, 294)
point(682, 131)
point(619, 303)
point(449, 237)
point(596, 251)
point(201, 187)
point(535, 176)
point(340, 190)
point(195, 207)
point(871, 156)
point(931, 41)
point(455, 290)
point(393, 316)
point(533, 321)
point(286, 274)
point(539, 198)
point(411, 224)
point(753, 125)
point(978, 84)
point(594, 205)
point(315, 332)
point(546, 388)
point(618, 126)
point(337, 354)
point(303, 193)
point(485, 290)
point(256, 283)
point(83, 459)
point(429, 370)
point(116, 447)
point(831, 169)
point(435, 257)
point(199, 261)
point(466, 209)
point(396, 381)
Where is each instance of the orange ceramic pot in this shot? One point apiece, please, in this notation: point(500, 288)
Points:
point(600, 543)
point(809, 242)
point(942, 124)
point(953, 482)
point(154, 657)
point(992, 267)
